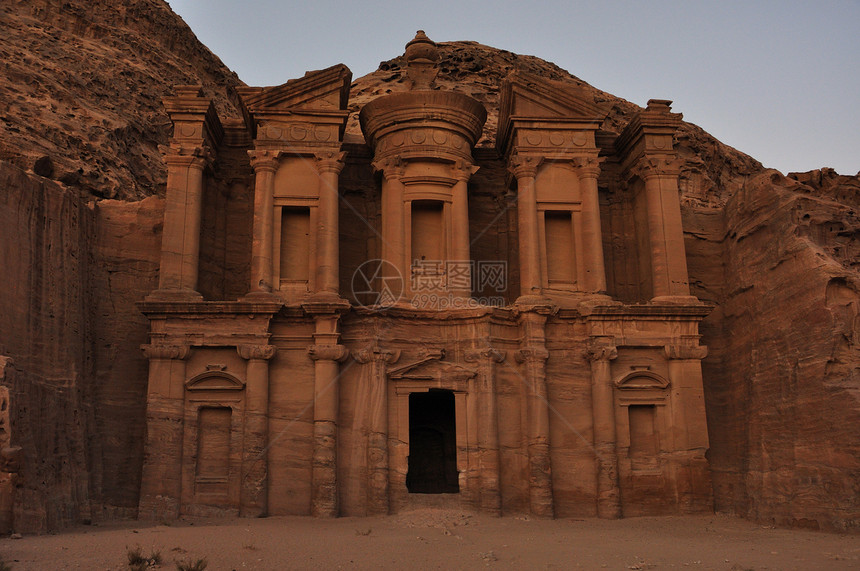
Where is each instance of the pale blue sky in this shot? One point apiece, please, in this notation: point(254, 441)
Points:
point(779, 81)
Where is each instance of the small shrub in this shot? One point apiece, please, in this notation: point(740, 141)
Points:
point(198, 565)
point(137, 562)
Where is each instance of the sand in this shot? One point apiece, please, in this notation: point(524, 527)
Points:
point(432, 538)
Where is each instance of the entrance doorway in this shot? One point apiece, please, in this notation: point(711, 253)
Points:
point(432, 465)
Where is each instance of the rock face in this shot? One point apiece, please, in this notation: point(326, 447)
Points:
point(82, 90)
point(776, 255)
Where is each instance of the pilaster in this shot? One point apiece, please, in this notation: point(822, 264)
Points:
point(487, 417)
point(329, 165)
point(253, 500)
point(378, 436)
point(161, 483)
point(600, 353)
point(264, 163)
point(588, 170)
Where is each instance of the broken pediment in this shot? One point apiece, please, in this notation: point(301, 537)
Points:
point(432, 368)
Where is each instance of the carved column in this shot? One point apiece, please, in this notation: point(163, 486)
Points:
point(665, 231)
point(533, 355)
point(488, 427)
point(180, 244)
point(326, 354)
point(603, 406)
point(265, 163)
point(329, 165)
point(253, 500)
point(691, 476)
point(525, 169)
point(393, 223)
point(461, 254)
point(588, 170)
point(377, 444)
point(161, 483)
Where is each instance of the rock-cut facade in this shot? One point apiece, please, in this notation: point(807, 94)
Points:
point(358, 325)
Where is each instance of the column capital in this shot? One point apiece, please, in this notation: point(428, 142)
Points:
point(522, 166)
point(376, 353)
point(463, 170)
point(484, 354)
point(392, 168)
point(165, 352)
point(531, 354)
point(657, 166)
point(184, 156)
point(685, 352)
point(264, 160)
point(337, 353)
point(601, 350)
point(330, 161)
point(257, 352)
point(587, 166)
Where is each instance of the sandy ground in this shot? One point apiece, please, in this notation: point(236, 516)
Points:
point(443, 539)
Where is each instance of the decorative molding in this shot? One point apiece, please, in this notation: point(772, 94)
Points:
point(587, 167)
point(485, 354)
point(260, 352)
point(392, 168)
point(337, 353)
point(166, 352)
point(214, 381)
point(375, 353)
point(653, 166)
point(697, 352)
point(531, 354)
point(641, 380)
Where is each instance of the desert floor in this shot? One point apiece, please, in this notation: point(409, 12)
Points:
point(431, 538)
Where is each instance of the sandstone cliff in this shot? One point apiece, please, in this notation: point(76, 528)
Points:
point(778, 256)
point(81, 99)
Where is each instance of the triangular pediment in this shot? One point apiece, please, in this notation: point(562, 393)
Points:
point(432, 368)
point(325, 89)
point(527, 95)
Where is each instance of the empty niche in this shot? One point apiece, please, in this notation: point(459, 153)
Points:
point(558, 228)
point(213, 446)
point(295, 243)
point(428, 232)
point(644, 443)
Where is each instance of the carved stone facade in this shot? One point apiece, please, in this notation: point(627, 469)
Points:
point(508, 328)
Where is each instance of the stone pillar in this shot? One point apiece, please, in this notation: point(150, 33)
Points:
point(461, 254)
point(265, 163)
point(393, 223)
point(487, 416)
point(253, 499)
point(377, 438)
point(603, 406)
point(533, 355)
point(180, 243)
point(525, 169)
point(691, 476)
point(588, 170)
point(329, 165)
point(326, 354)
point(665, 231)
point(161, 483)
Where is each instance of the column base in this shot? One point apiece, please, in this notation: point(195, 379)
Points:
point(676, 300)
point(261, 297)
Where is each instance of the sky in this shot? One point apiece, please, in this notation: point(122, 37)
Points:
point(778, 80)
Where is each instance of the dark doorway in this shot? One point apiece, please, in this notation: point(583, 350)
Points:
point(432, 444)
